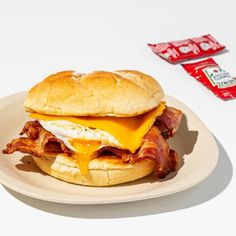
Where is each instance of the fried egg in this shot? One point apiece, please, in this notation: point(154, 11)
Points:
point(68, 132)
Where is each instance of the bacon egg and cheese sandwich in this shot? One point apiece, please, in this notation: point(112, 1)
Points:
point(99, 129)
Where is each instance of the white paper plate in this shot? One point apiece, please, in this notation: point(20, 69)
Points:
point(193, 142)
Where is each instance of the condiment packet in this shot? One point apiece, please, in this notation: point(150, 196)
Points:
point(210, 74)
point(189, 49)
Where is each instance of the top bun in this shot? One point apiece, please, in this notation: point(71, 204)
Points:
point(120, 93)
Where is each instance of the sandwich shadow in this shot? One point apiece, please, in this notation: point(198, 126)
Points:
point(27, 164)
point(184, 140)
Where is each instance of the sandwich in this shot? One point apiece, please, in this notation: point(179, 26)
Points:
point(99, 129)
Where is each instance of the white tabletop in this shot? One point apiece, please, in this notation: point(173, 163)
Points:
point(37, 39)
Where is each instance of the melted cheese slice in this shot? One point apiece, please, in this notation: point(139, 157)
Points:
point(128, 131)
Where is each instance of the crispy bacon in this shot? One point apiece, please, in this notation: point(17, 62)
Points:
point(155, 147)
point(112, 151)
point(32, 129)
point(39, 142)
point(169, 121)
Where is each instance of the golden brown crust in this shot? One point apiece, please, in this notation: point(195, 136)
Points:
point(103, 171)
point(119, 93)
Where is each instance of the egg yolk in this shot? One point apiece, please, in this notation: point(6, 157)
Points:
point(86, 151)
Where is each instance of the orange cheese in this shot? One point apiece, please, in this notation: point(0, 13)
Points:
point(128, 131)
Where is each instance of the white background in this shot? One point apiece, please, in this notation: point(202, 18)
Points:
point(43, 37)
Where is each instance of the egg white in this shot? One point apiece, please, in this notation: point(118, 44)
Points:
point(66, 131)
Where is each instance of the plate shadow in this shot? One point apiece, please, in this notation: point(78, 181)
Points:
point(203, 192)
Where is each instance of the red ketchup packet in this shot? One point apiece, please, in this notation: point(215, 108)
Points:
point(182, 50)
point(210, 74)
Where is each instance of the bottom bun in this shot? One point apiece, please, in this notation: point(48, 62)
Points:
point(103, 171)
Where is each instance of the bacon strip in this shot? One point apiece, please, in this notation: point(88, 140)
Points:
point(169, 121)
point(155, 147)
point(112, 151)
point(39, 142)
